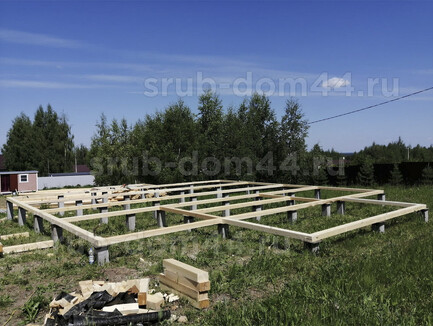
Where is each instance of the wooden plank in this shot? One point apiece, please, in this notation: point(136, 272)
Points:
point(193, 294)
point(277, 199)
point(197, 304)
point(118, 191)
point(318, 236)
point(197, 286)
point(109, 214)
point(188, 271)
point(84, 234)
point(378, 202)
point(269, 229)
point(184, 212)
point(14, 235)
point(152, 233)
point(124, 309)
point(28, 247)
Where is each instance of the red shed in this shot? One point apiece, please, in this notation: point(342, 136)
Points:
point(22, 181)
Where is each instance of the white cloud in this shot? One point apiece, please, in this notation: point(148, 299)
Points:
point(335, 82)
point(115, 78)
point(14, 83)
point(12, 36)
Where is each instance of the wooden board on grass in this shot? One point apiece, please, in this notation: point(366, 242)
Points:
point(186, 270)
point(197, 304)
point(200, 287)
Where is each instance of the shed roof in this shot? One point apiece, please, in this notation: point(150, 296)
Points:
point(18, 172)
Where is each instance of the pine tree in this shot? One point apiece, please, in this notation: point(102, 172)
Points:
point(396, 177)
point(427, 175)
point(366, 173)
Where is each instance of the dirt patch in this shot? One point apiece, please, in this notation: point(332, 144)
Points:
point(120, 274)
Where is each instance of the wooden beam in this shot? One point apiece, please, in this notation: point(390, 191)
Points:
point(15, 235)
point(155, 232)
point(269, 229)
point(188, 271)
point(109, 214)
point(378, 202)
point(193, 294)
point(185, 212)
point(28, 247)
point(318, 236)
point(84, 234)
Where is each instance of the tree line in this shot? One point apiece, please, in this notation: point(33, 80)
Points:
point(246, 142)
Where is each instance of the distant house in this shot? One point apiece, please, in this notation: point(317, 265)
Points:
point(21, 181)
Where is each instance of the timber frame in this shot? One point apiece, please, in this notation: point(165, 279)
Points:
point(220, 192)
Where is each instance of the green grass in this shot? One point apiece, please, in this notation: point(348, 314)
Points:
point(358, 278)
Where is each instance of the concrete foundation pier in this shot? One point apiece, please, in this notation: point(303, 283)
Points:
point(223, 230)
point(326, 210)
point(378, 227)
point(56, 233)
point(21, 216)
point(38, 224)
point(341, 207)
point(102, 255)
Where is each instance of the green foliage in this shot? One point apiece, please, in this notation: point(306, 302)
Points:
point(46, 144)
point(394, 152)
point(427, 175)
point(366, 173)
point(175, 145)
point(396, 177)
point(5, 300)
point(32, 307)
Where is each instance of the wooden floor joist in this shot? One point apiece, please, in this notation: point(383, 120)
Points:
point(28, 247)
point(203, 200)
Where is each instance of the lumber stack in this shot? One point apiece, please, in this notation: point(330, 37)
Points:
point(186, 281)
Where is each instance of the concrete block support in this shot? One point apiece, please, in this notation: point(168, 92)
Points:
point(292, 216)
point(38, 224)
point(378, 227)
point(21, 216)
point(182, 200)
point(291, 201)
point(226, 212)
point(341, 207)
point(219, 193)
point(160, 218)
point(258, 208)
point(188, 219)
point(102, 255)
point(130, 222)
point(61, 204)
point(104, 220)
point(194, 207)
point(10, 210)
point(56, 233)
point(313, 247)
point(79, 203)
point(156, 203)
point(93, 200)
point(381, 197)
point(424, 213)
point(223, 230)
point(326, 210)
point(126, 199)
point(317, 193)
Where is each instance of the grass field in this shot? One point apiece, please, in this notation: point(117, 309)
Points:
point(360, 278)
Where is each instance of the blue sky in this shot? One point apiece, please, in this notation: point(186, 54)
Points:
point(91, 57)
